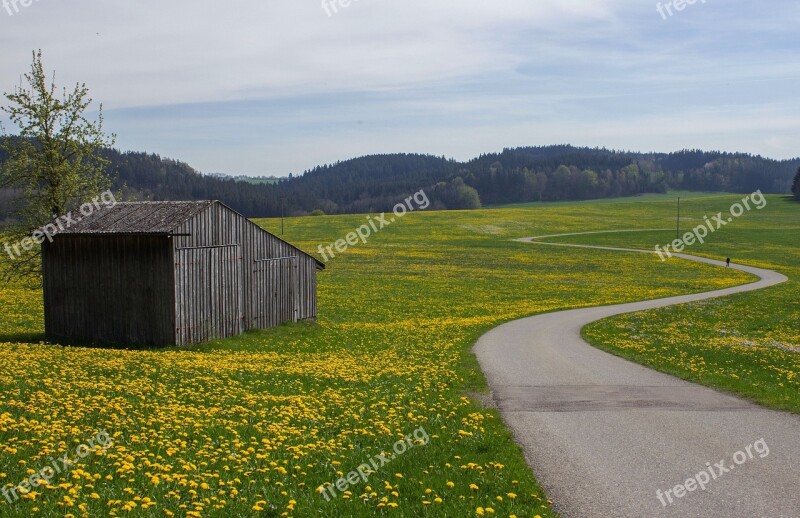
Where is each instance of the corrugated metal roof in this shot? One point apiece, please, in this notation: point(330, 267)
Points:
point(147, 217)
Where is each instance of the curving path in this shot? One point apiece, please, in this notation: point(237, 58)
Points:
point(603, 434)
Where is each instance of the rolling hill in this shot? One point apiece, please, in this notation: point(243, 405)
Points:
point(375, 183)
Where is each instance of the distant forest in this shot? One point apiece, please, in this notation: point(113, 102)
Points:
point(375, 183)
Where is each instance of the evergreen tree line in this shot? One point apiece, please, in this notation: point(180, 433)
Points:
point(376, 183)
point(796, 185)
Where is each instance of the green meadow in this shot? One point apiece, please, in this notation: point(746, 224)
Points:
point(261, 424)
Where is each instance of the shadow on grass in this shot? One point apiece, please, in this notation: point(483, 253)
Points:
point(254, 339)
point(41, 338)
point(249, 340)
point(22, 338)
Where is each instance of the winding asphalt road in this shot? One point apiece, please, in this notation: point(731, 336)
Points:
point(603, 435)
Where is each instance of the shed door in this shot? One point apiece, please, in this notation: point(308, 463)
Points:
point(274, 293)
point(208, 293)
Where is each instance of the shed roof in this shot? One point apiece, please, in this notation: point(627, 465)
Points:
point(146, 217)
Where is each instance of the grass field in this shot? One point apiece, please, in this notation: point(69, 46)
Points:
point(748, 343)
point(255, 425)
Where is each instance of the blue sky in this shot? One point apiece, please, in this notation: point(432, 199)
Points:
point(279, 86)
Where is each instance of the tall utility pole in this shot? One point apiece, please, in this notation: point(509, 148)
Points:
point(678, 233)
point(282, 227)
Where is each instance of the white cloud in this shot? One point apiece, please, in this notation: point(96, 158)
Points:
point(254, 85)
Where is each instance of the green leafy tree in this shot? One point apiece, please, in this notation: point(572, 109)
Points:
point(456, 195)
point(54, 162)
point(796, 185)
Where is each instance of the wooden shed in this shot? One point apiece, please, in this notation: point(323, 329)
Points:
point(172, 273)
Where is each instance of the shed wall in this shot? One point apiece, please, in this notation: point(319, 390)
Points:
point(273, 295)
point(109, 289)
point(208, 293)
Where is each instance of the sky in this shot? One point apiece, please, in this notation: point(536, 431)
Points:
point(279, 86)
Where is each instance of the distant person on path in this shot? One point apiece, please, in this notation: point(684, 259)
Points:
point(728, 262)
